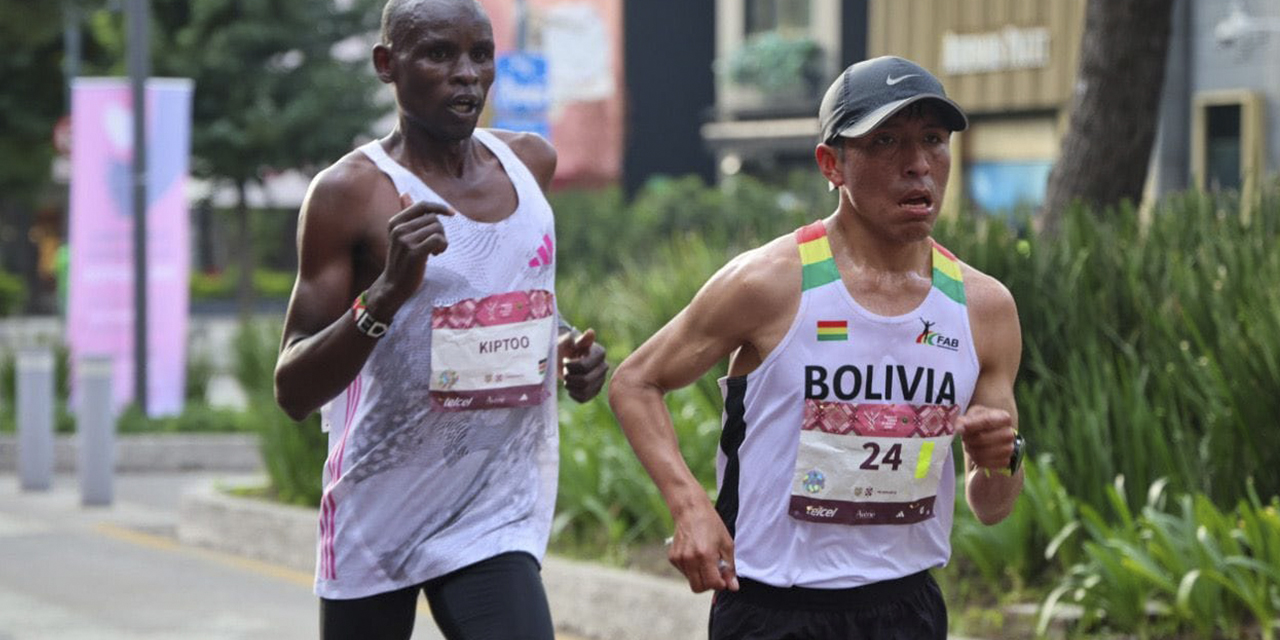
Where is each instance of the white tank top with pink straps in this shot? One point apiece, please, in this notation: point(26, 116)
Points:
point(444, 449)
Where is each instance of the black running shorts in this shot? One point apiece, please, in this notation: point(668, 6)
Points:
point(501, 598)
point(909, 608)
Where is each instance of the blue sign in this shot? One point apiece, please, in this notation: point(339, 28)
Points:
point(521, 93)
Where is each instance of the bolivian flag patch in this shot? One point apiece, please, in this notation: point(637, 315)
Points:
point(833, 330)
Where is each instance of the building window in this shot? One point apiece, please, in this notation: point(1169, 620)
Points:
point(1222, 147)
point(1006, 161)
point(788, 17)
point(1227, 133)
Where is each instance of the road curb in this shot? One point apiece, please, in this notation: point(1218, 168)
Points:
point(586, 599)
point(166, 452)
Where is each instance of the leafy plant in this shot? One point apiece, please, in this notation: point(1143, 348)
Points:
point(13, 293)
point(293, 452)
point(775, 63)
point(1167, 569)
point(1036, 541)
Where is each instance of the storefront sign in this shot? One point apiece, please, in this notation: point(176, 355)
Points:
point(1003, 50)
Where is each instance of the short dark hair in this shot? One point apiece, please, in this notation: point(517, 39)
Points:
point(394, 13)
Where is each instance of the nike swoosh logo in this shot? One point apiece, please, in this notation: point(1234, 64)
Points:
point(890, 80)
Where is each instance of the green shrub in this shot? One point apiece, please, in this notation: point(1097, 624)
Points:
point(13, 294)
point(196, 417)
point(267, 283)
point(293, 452)
point(599, 234)
point(776, 63)
point(1169, 569)
point(1011, 555)
point(1149, 351)
point(200, 370)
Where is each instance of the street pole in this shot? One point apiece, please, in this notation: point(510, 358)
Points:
point(139, 69)
point(72, 42)
point(522, 25)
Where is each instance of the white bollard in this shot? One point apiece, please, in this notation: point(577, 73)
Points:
point(34, 395)
point(96, 427)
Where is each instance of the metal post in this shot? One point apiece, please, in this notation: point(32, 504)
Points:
point(522, 25)
point(96, 426)
point(71, 41)
point(139, 69)
point(35, 418)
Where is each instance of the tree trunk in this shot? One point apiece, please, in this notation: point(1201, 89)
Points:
point(244, 233)
point(1115, 107)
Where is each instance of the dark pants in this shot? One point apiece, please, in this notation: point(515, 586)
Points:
point(496, 599)
point(909, 608)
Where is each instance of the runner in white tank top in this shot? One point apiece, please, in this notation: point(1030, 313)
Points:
point(859, 348)
point(424, 320)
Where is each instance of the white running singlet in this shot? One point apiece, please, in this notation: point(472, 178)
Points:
point(443, 451)
point(835, 467)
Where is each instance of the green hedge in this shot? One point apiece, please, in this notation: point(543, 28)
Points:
point(267, 283)
point(13, 294)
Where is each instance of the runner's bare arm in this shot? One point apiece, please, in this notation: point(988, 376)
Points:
point(726, 314)
point(322, 350)
point(991, 423)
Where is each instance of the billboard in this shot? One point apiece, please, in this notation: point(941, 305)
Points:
point(100, 297)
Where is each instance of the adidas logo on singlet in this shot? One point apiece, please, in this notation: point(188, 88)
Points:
point(546, 253)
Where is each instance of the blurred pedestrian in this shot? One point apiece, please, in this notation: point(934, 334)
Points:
point(424, 320)
point(858, 348)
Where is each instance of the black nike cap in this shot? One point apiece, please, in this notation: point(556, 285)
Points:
point(870, 92)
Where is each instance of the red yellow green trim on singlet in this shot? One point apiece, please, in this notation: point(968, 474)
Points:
point(818, 267)
point(946, 273)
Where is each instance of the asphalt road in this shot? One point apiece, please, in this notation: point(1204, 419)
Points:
point(69, 572)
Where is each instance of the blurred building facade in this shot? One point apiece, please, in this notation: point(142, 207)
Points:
point(774, 60)
point(1220, 116)
point(1012, 65)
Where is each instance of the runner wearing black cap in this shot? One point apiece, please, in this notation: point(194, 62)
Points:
point(858, 349)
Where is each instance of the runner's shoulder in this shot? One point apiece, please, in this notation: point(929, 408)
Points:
point(760, 281)
point(348, 185)
point(986, 296)
point(533, 150)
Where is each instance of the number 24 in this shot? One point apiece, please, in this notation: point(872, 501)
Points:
point(892, 457)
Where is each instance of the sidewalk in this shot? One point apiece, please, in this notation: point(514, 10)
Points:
point(174, 558)
point(117, 573)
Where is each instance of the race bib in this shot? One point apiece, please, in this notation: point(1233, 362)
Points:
point(870, 463)
point(492, 352)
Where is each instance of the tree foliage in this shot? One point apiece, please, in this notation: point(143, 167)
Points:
point(270, 94)
point(31, 97)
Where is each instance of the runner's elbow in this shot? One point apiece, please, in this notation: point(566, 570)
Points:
point(624, 384)
point(289, 400)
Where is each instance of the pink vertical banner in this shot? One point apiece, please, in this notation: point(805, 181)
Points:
point(100, 299)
